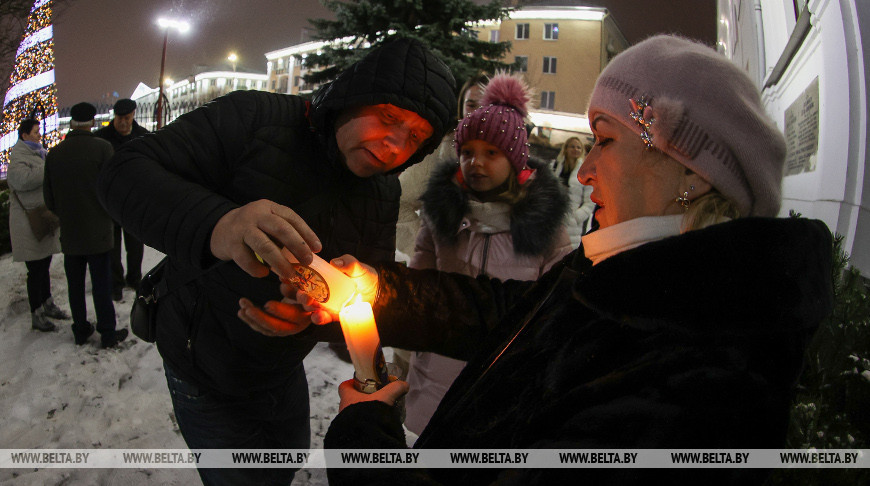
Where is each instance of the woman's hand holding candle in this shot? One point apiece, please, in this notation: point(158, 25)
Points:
point(364, 277)
point(388, 394)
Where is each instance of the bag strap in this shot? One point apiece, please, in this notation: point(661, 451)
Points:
point(307, 209)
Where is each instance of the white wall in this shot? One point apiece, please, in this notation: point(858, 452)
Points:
point(834, 51)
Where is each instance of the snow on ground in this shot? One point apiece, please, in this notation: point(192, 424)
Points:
point(56, 395)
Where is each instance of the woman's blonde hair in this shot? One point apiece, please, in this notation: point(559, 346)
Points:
point(563, 157)
point(711, 208)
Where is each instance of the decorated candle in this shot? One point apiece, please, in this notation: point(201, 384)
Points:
point(323, 282)
point(364, 346)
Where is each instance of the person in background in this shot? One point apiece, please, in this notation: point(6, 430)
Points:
point(71, 170)
point(413, 181)
point(494, 212)
point(250, 173)
point(681, 323)
point(565, 166)
point(25, 177)
point(121, 129)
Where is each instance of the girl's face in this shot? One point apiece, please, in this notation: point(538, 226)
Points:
point(628, 181)
point(484, 166)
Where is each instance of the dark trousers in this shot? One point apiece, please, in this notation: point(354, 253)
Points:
point(272, 419)
point(135, 250)
point(38, 282)
point(101, 283)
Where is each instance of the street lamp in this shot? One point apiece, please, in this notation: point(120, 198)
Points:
point(233, 58)
point(165, 24)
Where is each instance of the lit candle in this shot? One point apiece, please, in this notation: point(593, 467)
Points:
point(323, 282)
point(364, 345)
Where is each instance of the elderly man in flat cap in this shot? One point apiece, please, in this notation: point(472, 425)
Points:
point(71, 170)
point(124, 128)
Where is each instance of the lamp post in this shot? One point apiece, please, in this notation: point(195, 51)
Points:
point(232, 58)
point(166, 24)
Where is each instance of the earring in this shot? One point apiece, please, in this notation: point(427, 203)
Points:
point(683, 201)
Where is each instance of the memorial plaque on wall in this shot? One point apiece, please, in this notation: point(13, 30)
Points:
point(802, 131)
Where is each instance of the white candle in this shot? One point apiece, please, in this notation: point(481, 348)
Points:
point(364, 345)
point(323, 282)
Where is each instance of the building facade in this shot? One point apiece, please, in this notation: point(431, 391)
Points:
point(559, 49)
point(810, 60)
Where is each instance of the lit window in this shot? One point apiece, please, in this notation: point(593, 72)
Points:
point(551, 31)
point(522, 31)
point(549, 65)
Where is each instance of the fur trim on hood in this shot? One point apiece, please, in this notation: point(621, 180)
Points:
point(534, 220)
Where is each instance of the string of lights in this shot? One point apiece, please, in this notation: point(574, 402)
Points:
point(32, 90)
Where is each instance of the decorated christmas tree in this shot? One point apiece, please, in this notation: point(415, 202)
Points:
point(32, 90)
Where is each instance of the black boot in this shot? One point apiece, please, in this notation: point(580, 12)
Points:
point(81, 333)
point(112, 338)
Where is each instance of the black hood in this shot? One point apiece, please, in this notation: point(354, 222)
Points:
point(402, 73)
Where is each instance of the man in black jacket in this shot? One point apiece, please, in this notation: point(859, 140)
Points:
point(249, 173)
point(71, 170)
point(124, 128)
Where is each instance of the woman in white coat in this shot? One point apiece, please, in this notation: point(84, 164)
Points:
point(565, 167)
point(25, 177)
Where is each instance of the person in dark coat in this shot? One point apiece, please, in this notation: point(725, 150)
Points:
point(124, 128)
point(71, 170)
point(681, 323)
point(252, 172)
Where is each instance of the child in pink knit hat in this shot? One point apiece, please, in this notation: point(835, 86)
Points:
point(495, 130)
point(495, 215)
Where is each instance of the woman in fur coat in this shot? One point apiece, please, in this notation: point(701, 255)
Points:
point(681, 323)
point(479, 219)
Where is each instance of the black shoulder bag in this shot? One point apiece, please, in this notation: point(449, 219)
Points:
point(143, 315)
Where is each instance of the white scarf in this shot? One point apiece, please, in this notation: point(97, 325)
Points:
point(606, 242)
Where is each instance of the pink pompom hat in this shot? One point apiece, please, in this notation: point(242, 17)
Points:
point(499, 119)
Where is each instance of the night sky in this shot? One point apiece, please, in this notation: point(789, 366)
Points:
point(104, 47)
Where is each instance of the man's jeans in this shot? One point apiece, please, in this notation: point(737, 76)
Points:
point(272, 419)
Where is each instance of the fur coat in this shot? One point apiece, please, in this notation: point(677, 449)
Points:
point(691, 342)
point(460, 234)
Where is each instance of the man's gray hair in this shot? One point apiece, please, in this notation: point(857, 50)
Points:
point(77, 125)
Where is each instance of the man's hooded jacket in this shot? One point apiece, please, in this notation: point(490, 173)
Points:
point(170, 188)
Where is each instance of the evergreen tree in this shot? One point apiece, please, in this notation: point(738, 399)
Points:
point(438, 24)
point(830, 410)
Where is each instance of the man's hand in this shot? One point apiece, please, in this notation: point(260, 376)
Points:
point(297, 310)
point(263, 227)
point(388, 394)
point(277, 319)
